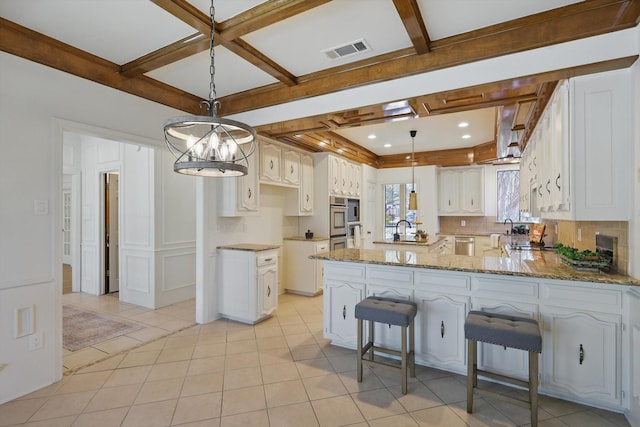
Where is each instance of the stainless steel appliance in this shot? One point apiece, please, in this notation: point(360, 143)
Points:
point(353, 210)
point(337, 223)
point(465, 246)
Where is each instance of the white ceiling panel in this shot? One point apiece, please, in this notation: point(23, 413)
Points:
point(116, 30)
point(232, 74)
point(439, 132)
point(445, 18)
point(297, 43)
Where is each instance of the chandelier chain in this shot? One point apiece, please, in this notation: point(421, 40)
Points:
point(213, 104)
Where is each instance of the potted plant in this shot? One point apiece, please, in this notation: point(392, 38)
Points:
point(421, 236)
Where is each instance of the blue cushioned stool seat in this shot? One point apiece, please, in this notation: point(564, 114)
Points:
point(502, 329)
point(394, 312)
point(387, 310)
point(509, 331)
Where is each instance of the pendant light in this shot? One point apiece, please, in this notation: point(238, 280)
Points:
point(413, 197)
point(210, 145)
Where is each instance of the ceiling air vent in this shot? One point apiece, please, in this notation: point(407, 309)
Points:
point(348, 49)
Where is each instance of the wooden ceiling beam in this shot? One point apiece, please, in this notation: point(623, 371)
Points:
point(409, 13)
point(586, 20)
point(191, 15)
point(37, 47)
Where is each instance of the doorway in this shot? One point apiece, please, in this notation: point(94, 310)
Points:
point(111, 233)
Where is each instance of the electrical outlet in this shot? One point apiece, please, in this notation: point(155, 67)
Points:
point(36, 341)
point(463, 223)
point(579, 234)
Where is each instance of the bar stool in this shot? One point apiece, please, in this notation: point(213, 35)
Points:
point(508, 331)
point(392, 312)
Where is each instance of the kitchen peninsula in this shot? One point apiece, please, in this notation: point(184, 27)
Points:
point(586, 348)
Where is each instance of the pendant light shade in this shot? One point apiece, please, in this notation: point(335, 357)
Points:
point(413, 197)
point(210, 145)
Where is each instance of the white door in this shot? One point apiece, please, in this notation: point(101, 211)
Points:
point(66, 227)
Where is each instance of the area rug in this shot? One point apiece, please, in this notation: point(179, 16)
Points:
point(83, 328)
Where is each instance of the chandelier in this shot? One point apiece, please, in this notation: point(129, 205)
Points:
point(210, 145)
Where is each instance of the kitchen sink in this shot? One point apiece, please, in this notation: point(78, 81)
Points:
point(527, 247)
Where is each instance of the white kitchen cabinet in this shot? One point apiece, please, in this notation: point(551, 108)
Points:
point(345, 178)
point(306, 187)
point(301, 274)
point(461, 191)
point(582, 354)
point(248, 281)
point(440, 337)
point(241, 194)
point(270, 162)
point(336, 179)
point(291, 173)
point(631, 354)
point(340, 299)
point(354, 179)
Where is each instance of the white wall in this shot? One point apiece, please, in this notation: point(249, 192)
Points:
point(33, 97)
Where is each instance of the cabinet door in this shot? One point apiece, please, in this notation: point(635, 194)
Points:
point(291, 167)
point(387, 335)
point(581, 354)
point(357, 179)
point(340, 299)
point(345, 172)
point(319, 247)
point(440, 338)
point(448, 191)
point(267, 290)
point(335, 172)
point(248, 188)
point(306, 189)
point(559, 127)
point(270, 167)
point(471, 199)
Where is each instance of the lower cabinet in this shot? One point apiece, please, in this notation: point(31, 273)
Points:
point(440, 330)
point(301, 274)
point(340, 299)
point(582, 354)
point(248, 284)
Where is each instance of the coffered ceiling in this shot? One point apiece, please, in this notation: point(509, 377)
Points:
point(276, 52)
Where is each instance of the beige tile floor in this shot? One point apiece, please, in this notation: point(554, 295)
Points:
point(280, 372)
point(153, 324)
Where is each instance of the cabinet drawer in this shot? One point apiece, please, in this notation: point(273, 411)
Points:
point(450, 282)
point(390, 276)
point(344, 272)
point(513, 287)
point(582, 297)
point(266, 259)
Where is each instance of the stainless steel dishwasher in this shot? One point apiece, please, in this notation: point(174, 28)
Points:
point(465, 246)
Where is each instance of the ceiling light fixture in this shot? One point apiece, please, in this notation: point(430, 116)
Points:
point(463, 124)
point(413, 197)
point(466, 136)
point(210, 145)
point(387, 145)
point(372, 136)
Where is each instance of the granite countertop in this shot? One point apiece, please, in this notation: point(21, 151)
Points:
point(521, 263)
point(250, 247)
point(313, 239)
point(409, 242)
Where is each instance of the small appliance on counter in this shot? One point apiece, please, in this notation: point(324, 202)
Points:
point(308, 234)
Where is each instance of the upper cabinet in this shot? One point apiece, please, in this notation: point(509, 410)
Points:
point(306, 187)
point(241, 195)
point(291, 172)
point(577, 163)
point(461, 191)
point(345, 178)
point(270, 162)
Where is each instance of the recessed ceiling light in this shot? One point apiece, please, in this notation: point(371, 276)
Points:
point(371, 136)
point(408, 157)
point(322, 143)
point(466, 136)
point(463, 124)
point(340, 150)
point(387, 145)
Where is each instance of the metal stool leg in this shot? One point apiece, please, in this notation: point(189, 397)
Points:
point(359, 365)
point(371, 339)
point(471, 372)
point(403, 366)
point(412, 352)
point(533, 387)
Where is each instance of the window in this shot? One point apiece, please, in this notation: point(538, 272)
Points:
point(508, 186)
point(396, 208)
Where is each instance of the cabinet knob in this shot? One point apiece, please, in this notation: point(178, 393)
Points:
point(557, 184)
point(268, 259)
point(307, 198)
point(268, 291)
point(581, 354)
point(471, 202)
point(442, 329)
point(249, 192)
point(291, 169)
point(540, 190)
point(270, 164)
point(344, 312)
point(547, 186)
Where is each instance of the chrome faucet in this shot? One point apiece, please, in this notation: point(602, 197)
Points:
point(511, 221)
point(396, 235)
